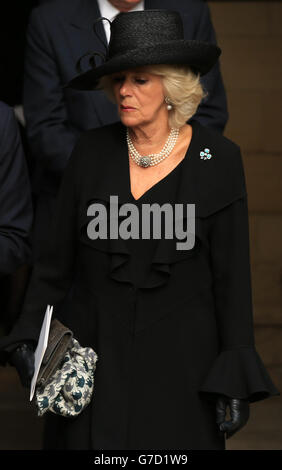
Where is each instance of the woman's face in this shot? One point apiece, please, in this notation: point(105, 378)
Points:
point(139, 96)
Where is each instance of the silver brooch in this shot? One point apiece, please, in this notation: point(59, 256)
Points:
point(205, 154)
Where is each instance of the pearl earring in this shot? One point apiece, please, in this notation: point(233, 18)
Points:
point(168, 102)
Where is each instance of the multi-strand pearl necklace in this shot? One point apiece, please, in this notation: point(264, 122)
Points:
point(153, 158)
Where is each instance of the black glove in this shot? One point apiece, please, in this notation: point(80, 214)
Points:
point(239, 412)
point(22, 358)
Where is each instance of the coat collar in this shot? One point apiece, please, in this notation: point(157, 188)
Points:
point(209, 184)
point(88, 10)
point(84, 15)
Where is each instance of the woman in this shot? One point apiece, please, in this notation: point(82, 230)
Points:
point(172, 327)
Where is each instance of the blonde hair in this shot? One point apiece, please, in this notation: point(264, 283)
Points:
point(181, 85)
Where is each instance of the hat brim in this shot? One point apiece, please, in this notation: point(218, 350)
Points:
point(200, 56)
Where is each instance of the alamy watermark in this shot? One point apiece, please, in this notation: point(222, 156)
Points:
point(175, 214)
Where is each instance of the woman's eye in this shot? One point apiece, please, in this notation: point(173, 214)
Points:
point(141, 81)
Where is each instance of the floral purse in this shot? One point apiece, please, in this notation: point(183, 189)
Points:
point(65, 382)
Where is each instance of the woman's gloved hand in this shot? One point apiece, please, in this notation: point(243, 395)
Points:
point(239, 412)
point(22, 358)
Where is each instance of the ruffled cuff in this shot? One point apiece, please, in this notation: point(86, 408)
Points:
point(239, 373)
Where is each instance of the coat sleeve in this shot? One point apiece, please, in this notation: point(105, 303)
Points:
point(238, 370)
point(50, 134)
point(16, 210)
point(54, 269)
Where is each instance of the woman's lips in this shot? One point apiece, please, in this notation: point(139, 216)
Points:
point(127, 108)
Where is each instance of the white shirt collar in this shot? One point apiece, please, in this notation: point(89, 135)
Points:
point(109, 11)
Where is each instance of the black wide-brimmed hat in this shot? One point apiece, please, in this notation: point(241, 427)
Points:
point(143, 38)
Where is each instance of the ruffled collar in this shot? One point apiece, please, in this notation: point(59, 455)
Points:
point(210, 184)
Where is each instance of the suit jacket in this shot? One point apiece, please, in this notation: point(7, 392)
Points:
point(168, 348)
point(59, 33)
point(16, 210)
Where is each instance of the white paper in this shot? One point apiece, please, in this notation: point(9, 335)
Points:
point(41, 347)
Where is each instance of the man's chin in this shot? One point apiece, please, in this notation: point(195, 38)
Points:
point(124, 6)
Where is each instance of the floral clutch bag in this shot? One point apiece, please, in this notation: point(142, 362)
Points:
point(65, 381)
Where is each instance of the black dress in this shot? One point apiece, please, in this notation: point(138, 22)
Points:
point(142, 249)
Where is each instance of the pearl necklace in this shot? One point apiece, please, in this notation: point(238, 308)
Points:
point(153, 158)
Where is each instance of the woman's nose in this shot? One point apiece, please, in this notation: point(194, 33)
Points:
point(125, 88)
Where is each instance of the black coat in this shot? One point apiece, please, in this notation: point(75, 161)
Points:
point(58, 34)
point(167, 349)
point(16, 210)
